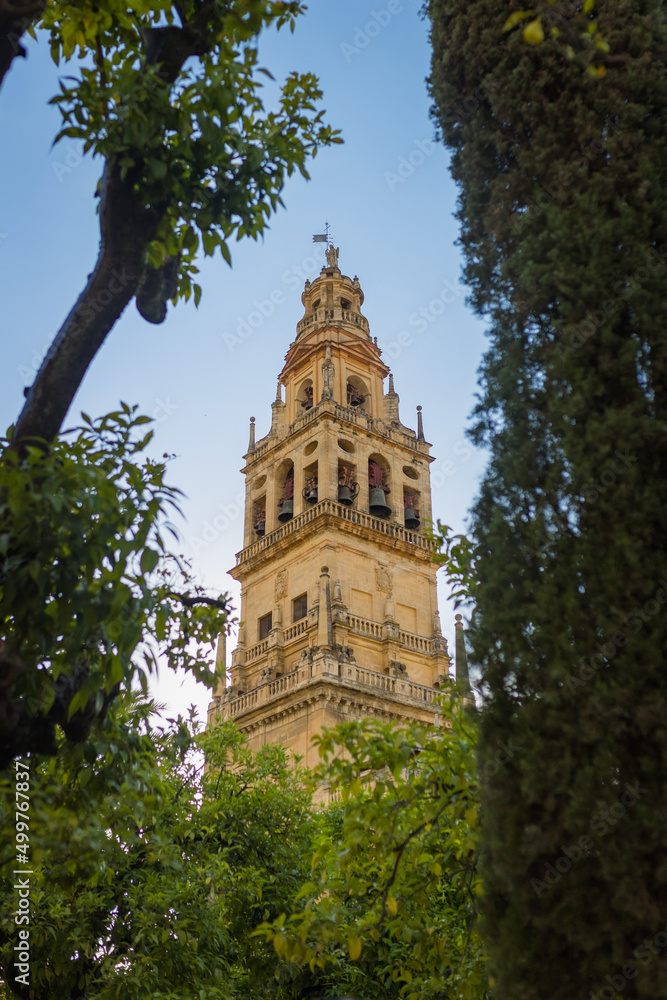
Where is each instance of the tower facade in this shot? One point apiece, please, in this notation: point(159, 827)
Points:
point(338, 592)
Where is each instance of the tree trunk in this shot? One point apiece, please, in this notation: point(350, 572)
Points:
point(15, 19)
point(126, 229)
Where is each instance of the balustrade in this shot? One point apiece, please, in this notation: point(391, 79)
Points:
point(331, 508)
point(370, 678)
point(294, 631)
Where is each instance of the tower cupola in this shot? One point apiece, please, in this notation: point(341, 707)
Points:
point(333, 299)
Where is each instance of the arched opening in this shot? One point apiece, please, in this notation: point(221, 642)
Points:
point(348, 487)
point(411, 509)
point(259, 516)
point(378, 486)
point(286, 487)
point(304, 396)
point(309, 491)
point(357, 393)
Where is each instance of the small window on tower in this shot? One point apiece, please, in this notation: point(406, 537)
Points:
point(265, 625)
point(299, 607)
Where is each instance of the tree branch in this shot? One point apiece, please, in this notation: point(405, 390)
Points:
point(15, 19)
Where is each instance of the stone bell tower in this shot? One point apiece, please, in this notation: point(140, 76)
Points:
point(338, 608)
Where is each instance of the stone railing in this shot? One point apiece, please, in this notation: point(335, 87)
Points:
point(304, 418)
point(418, 692)
point(256, 650)
point(242, 703)
point(413, 641)
point(371, 678)
point(364, 626)
point(354, 415)
point(282, 684)
point(392, 685)
point(293, 631)
point(322, 316)
point(331, 508)
point(398, 687)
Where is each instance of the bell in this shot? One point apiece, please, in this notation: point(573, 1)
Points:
point(260, 528)
point(411, 518)
point(344, 495)
point(287, 511)
point(310, 494)
point(377, 504)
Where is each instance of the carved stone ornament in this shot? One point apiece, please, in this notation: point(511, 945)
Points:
point(383, 580)
point(281, 585)
point(332, 255)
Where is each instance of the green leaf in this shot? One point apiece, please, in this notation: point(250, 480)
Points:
point(516, 17)
point(354, 948)
point(149, 560)
point(533, 33)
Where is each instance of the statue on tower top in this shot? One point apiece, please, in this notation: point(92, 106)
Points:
point(332, 255)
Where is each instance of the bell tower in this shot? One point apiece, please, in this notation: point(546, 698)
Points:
point(338, 607)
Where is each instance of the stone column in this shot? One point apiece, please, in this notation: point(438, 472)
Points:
point(272, 488)
point(299, 463)
point(339, 616)
point(221, 665)
point(324, 624)
point(360, 459)
point(395, 498)
point(327, 477)
point(328, 376)
point(390, 629)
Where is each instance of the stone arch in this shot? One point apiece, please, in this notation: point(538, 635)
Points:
point(304, 397)
point(379, 478)
point(357, 393)
point(285, 489)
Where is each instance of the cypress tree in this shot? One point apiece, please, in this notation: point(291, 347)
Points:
point(557, 123)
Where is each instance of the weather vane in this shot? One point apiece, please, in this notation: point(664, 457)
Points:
point(331, 251)
point(324, 237)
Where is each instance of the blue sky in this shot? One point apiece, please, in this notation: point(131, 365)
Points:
point(389, 200)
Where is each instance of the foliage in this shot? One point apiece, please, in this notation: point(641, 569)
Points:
point(89, 594)
point(208, 154)
point(456, 555)
point(169, 97)
point(573, 25)
point(153, 875)
point(562, 181)
point(389, 909)
point(166, 867)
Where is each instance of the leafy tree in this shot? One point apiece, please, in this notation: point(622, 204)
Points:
point(166, 869)
point(142, 898)
point(153, 875)
point(562, 179)
point(168, 96)
point(89, 594)
point(390, 907)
